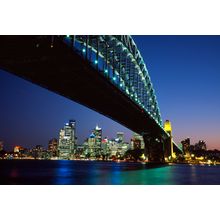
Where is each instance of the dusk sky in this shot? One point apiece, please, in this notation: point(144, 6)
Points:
point(185, 72)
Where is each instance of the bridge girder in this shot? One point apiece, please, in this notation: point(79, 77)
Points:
point(54, 61)
point(119, 59)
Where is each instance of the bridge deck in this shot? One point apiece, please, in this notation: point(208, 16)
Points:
point(62, 71)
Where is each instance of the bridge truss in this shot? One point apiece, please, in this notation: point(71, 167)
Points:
point(119, 60)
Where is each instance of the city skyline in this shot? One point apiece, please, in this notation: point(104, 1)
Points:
point(117, 136)
point(185, 99)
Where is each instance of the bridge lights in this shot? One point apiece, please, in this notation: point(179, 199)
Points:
point(83, 50)
point(120, 85)
point(67, 36)
point(106, 71)
point(96, 61)
point(114, 78)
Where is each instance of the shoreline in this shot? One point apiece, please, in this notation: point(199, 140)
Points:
point(118, 161)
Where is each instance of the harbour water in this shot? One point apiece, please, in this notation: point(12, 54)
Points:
point(68, 172)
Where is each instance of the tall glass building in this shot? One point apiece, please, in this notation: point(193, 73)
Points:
point(98, 136)
point(67, 140)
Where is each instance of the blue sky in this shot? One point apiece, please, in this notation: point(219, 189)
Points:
point(185, 71)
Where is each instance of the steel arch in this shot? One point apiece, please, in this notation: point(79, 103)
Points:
point(119, 60)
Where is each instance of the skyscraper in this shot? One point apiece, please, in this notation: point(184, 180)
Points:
point(120, 136)
point(91, 145)
point(98, 136)
point(67, 140)
point(91, 141)
point(53, 147)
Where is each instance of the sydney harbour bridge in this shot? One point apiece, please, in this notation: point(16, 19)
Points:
point(103, 72)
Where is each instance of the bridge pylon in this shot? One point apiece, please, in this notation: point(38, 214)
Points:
point(154, 148)
point(169, 152)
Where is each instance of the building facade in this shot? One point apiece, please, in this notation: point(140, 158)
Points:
point(53, 147)
point(98, 136)
point(120, 137)
point(67, 140)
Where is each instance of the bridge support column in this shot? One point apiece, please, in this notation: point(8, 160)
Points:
point(168, 149)
point(154, 149)
point(169, 141)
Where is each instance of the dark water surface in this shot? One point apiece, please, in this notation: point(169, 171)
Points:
point(60, 172)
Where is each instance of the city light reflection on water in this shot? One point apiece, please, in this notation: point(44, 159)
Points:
point(64, 172)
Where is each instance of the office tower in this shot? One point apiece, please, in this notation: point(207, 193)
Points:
point(98, 136)
point(67, 140)
point(120, 136)
point(53, 147)
point(91, 141)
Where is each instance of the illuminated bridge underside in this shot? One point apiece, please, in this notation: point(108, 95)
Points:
point(104, 73)
point(118, 58)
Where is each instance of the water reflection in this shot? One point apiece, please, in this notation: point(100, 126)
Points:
point(14, 173)
point(193, 172)
point(100, 173)
point(64, 175)
point(145, 176)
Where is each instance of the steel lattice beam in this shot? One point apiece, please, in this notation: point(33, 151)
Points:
point(119, 59)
